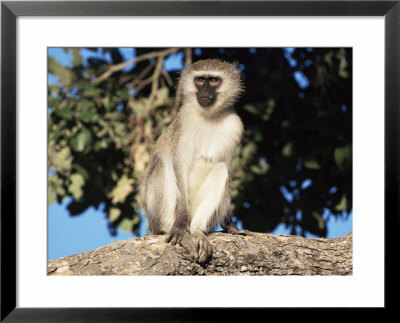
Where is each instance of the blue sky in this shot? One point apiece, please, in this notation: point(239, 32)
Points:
point(70, 235)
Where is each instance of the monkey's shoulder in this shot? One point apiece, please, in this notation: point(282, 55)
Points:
point(167, 137)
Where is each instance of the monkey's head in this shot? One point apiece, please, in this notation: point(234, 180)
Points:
point(213, 85)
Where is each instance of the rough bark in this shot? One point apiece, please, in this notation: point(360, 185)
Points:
point(258, 254)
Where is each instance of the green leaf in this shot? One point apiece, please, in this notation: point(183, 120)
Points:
point(114, 116)
point(61, 160)
point(249, 150)
point(287, 150)
point(251, 108)
point(163, 93)
point(99, 145)
point(311, 164)
point(342, 206)
point(121, 190)
point(56, 133)
point(75, 188)
point(320, 220)
point(235, 164)
point(88, 116)
point(51, 196)
point(123, 94)
point(315, 224)
point(257, 135)
point(260, 169)
point(65, 74)
point(138, 107)
point(77, 58)
point(82, 140)
point(55, 188)
point(85, 105)
point(128, 224)
point(343, 157)
point(52, 102)
point(65, 113)
point(92, 91)
point(107, 102)
point(113, 214)
point(269, 110)
point(54, 88)
point(343, 72)
point(81, 170)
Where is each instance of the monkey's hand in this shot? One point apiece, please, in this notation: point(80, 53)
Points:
point(177, 233)
point(197, 246)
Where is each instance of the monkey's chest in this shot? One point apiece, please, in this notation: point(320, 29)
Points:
point(214, 144)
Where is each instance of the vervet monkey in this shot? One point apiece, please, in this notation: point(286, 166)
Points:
point(185, 191)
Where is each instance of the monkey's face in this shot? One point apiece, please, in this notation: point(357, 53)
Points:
point(207, 89)
point(210, 85)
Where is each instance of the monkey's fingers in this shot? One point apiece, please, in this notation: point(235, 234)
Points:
point(171, 238)
point(204, 247)
point(232, 229)
point(205, 251)
point(189, 243)
point(175, 237)
point(244, 233)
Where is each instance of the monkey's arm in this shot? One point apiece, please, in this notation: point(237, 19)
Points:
point(181, 223)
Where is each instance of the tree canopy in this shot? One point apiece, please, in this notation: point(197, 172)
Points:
point(294, 165)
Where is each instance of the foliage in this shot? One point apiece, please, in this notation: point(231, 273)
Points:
point(295, 161)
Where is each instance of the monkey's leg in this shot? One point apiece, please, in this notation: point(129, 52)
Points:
point(206, 203)
point(208, 199)
point(161, 193)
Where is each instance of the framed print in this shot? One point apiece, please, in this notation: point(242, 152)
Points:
point(368, 30)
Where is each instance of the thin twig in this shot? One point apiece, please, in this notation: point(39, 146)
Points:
point(188, 56)
point(117, 67)
point(156, 75)
point(140, 85)
point(167, 77)
point(142, 74)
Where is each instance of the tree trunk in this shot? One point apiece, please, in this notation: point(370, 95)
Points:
point(258, 254)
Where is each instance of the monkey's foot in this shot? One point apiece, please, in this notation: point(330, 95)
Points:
point(197, 246)
point(232, 229)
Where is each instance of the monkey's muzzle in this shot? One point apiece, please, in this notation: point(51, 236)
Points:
point(206, 101)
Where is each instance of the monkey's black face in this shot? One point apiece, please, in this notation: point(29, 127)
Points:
point(206, 89)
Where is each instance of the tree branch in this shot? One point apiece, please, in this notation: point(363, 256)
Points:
point(259, 254)
point(117, 67)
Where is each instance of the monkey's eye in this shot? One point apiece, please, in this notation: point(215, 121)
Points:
point(214, 81)
point(200, 81)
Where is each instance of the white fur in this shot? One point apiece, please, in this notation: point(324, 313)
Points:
point(212, 141)
point(209, 147)
point(198, 173)
point(208, 197)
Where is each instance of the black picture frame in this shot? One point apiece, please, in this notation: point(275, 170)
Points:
point(10, 10)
